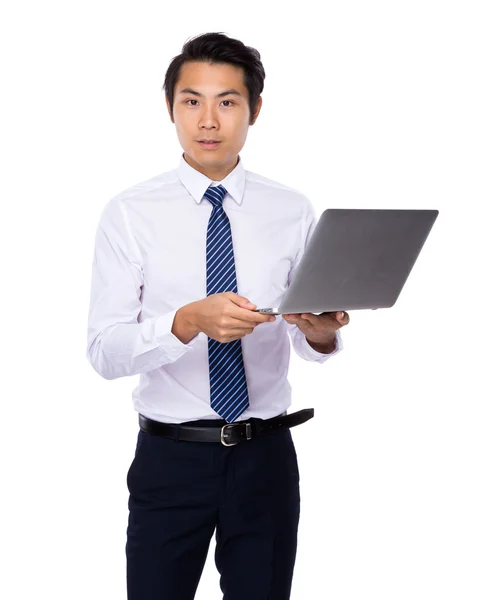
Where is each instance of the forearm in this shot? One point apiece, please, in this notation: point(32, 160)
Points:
point(125, 349)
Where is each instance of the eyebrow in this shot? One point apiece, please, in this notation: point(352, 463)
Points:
point(225, 93)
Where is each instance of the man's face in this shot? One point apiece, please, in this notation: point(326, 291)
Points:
point(211, 102)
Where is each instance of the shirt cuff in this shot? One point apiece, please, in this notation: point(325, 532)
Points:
point(168, 342)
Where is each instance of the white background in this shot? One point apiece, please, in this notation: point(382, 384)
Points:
point(366, 104)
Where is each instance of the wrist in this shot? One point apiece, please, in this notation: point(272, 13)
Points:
point(185, 326)
point(325, 347)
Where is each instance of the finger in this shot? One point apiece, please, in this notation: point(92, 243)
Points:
point(245, 310)
point(241, 322)
point(342, 317)
point(245, 314)
point(310, 317)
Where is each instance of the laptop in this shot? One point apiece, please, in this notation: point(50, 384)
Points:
point(356, 259)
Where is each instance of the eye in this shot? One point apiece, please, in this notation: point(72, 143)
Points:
point(194, 100)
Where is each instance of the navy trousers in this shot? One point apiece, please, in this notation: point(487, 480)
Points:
point(181, 492)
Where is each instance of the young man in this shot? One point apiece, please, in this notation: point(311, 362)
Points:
point(180, 262)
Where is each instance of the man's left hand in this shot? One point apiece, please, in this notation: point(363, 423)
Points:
point(319, 329)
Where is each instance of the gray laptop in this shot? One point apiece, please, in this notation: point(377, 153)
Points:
point(356, 259)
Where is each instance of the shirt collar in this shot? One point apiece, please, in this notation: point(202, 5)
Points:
point(197, 183)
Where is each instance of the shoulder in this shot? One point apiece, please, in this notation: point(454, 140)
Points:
point(164, 182)
point(286, 195)
point(155, 188)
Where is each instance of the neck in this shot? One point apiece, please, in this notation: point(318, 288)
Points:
point(217, 173)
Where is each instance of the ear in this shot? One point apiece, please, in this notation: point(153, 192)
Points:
point(169, 109)
point(257, 110)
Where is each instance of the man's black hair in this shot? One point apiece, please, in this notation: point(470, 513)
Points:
point(218, 48)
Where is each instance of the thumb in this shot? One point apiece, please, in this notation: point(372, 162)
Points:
point(242, 301)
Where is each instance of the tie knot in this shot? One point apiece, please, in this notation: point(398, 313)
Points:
point(215, 194)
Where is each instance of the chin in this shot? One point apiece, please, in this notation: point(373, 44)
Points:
point(206, 158)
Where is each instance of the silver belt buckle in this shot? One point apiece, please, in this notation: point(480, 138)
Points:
point(248, 433)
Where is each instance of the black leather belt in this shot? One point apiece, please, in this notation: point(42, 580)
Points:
point(228, 434)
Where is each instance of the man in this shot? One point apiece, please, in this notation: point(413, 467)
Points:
point(214, 450)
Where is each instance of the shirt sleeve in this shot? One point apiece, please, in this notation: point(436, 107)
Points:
point(118, 343)
point(298, 338)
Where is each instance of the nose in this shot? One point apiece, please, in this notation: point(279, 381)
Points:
point(208, 118)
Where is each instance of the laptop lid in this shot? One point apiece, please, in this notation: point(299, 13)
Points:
point(357, 259)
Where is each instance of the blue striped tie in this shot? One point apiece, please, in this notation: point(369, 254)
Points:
point(229, 395)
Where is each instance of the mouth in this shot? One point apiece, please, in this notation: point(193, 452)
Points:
point(209, 144)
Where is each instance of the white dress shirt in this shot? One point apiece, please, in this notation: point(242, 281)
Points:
point(150, 260)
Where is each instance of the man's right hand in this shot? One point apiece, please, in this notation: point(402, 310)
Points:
point(223, 317)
